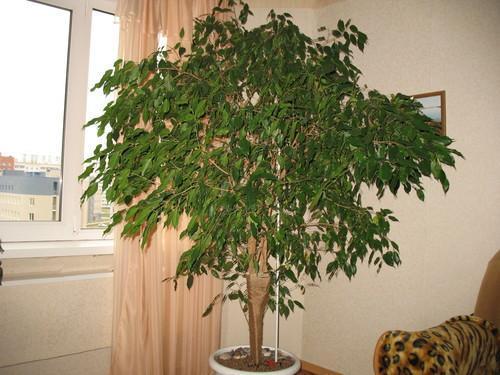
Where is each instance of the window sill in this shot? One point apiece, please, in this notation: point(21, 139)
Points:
point(57, 279)
point(42, 249)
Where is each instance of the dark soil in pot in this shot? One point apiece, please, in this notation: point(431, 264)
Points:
point(239, 359)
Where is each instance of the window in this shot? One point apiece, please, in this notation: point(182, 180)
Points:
point(45, 102)
point(34, 139)
point(103, 51)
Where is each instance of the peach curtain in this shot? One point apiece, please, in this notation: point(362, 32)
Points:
point(156, 330)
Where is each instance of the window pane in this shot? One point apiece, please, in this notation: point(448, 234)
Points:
point(35, 43)
point(103, 53)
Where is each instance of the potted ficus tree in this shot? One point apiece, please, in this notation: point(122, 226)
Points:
point(265, 139)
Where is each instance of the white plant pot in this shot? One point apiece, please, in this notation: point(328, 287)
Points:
point(223, 370)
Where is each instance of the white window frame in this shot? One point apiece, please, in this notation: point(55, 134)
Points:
point(69, 227)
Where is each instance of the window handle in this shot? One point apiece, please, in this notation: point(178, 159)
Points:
point(1, 269)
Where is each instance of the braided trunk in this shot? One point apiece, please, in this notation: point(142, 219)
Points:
point(258, 296)
point(258, 283)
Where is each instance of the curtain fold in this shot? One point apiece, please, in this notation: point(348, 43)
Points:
point(156, 330)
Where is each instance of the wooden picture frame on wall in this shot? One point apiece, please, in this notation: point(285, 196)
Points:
point(434, 107)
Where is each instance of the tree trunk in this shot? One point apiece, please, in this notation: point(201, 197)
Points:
point(258, 283)
point(258, 296)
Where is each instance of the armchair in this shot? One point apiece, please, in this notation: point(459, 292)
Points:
point(465, 345)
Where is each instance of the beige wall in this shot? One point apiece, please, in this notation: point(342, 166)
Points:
point(286, 5)
point(303, 13)
point(414, 47)
point(53, 328)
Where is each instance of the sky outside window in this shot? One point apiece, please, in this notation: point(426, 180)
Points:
point(103, 53)
point(34, 39)
point(35, 45)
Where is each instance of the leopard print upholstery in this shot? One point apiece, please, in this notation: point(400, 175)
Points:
point(464, 345)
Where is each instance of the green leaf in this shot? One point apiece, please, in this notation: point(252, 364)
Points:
point(245, 146)
point(251, 197)
point(165, 107)
point(91, 190)
point(200, 108)
point(299, 304)
point(174, 218)
point(146, 115)
point(190, 281)
point(341, 25)
point(421, 194)
point(208, 310)
point(146, 166)
point(86, 173)
point(436, 169)
point(233, 296)
point(444, 182)
point(315, 200)
point(290, 274)
point(389, 258)
point(385, 172)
